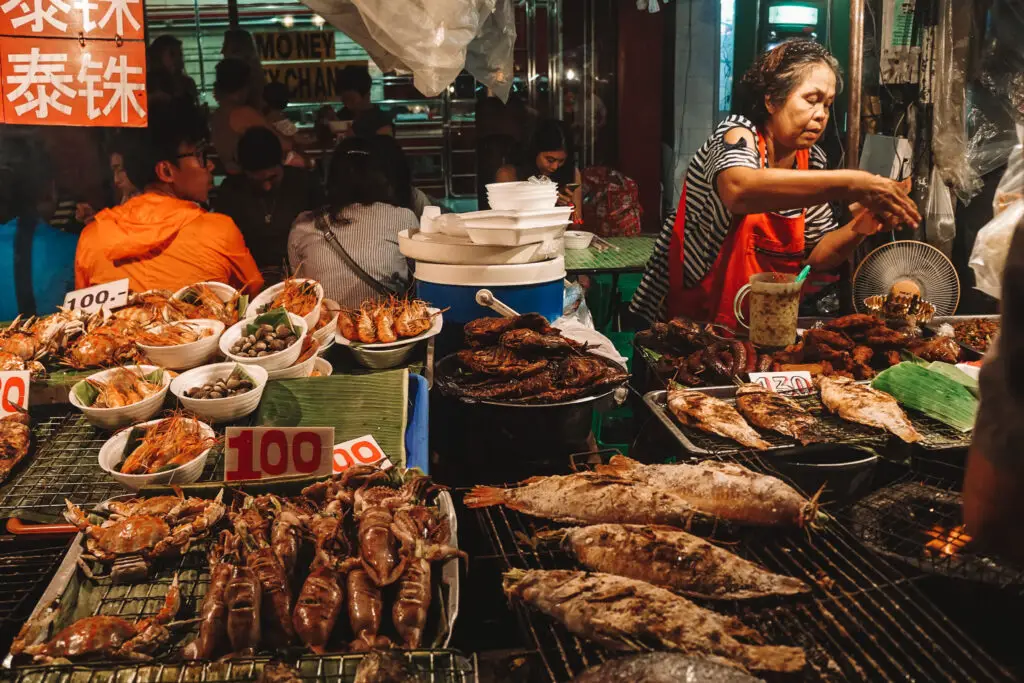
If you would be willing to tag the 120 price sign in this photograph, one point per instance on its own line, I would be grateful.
(796, 382)
(265, 452)
(14, 387)
(109, 295)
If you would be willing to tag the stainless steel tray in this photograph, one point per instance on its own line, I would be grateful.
(937, 436)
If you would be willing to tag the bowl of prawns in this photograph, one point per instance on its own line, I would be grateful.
(383, 334)
(172, 450)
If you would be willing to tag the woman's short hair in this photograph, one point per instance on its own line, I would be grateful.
(776, 73)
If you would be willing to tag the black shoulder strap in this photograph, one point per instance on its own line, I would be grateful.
(23, 234)
(321, 222)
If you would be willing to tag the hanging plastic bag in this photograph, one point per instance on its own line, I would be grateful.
(1011, 186)
(988, 258)
(940, 220)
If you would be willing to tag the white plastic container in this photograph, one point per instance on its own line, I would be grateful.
(225, 292)
(274, 361)
(323, 367)
(113, 418)
(578, 239)
(430, 214)
(219, 409)
(437, 248)
(265, 297)
(493, 276)
(185, 356)
(111, 452)
(522, 203)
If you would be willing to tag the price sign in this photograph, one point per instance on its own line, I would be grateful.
(362, 451)
(798, 382)
(109, 295)
(265, 452)
(14, 392)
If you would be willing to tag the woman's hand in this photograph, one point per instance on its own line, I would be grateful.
(888, 200)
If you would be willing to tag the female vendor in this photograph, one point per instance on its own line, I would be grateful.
(756, 195)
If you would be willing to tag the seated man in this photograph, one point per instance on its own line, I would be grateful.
(266, 198)
(367, 118)
(163, 238)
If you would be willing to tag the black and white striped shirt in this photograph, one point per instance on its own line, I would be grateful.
(708, 221)
(371, 239)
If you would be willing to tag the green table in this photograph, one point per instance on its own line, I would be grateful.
(631, 257)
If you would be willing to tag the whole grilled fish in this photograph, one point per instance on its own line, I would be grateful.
(710, 414)
(587, 498)
(664, 667)
(862, 404)
(770, 410)
(621, 613)
(665, 556)
(724, 490)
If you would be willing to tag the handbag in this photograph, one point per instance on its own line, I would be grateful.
(321, 222)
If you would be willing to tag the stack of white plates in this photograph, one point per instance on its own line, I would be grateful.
(522, 195)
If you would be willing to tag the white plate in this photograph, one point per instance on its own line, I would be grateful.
(435, 328)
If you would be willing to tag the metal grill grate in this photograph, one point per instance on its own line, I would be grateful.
(863, 620)
(437, 666)
(65, 465)
(896, 520)
(24, 573)
(936, 435)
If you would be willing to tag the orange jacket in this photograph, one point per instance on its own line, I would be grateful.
(160, 242)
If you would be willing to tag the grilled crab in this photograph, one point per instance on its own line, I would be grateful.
(25, 342)
(99, 636)
(106, 342)
(146, 537)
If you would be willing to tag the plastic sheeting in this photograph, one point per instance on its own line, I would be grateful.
(988, 258)
(431, 39)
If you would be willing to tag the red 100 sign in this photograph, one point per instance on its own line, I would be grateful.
(265, 452)
(14, 387)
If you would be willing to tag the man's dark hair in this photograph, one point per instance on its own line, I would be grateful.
(169, 128)
(276, 95)
(232, 76)
(259, 149)
(355, 78)
(359, 175)
(160, 45)
(777, 72)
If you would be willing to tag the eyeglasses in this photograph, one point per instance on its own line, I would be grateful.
(201, 154)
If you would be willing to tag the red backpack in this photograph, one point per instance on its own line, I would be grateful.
(611, 203)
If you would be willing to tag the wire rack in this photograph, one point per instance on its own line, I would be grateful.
(834, 430)
(65, 465)
(863, 620)
(899, 521)
(434, 666)
(24, 573)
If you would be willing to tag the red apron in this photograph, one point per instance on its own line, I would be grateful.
(756, 243)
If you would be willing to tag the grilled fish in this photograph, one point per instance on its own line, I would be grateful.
(860, 403)
(770, 410)
(709, 414)
(668, 557)
(15, 437)
(724, 490)
(623, 614)
(664, 667)
(588, 498)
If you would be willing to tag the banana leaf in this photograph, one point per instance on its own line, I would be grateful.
(275, 317)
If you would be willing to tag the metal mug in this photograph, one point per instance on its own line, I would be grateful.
(774, 308)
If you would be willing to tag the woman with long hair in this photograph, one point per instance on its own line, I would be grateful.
(552, 155)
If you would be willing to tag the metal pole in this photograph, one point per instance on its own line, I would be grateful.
(856, 83)
(233, 13)
(199, 47)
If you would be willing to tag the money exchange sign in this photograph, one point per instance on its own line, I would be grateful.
(72, 62)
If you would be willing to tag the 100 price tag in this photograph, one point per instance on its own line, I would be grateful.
(362, 451)
(109, 295)
(797, 382)
(264, 452)
(14, 387)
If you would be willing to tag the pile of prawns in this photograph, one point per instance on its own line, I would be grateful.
(383, 322)
(364, 536)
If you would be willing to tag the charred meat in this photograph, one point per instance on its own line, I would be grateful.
(944, 349)
(487, 331)
(529, 341)
(15, 437)
(500, 362)
(777, 412)
(710, 414)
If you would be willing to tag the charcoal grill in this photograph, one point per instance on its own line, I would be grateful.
(863, 620)
(64, 465)
(24, 573)
(936, 436)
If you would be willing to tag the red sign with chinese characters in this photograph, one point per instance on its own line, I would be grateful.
(87, 19)
(66, 83)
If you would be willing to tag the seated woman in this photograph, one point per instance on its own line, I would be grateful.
(552, 154)
(351, 245)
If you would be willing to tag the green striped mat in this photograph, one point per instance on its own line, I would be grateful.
(355, 405)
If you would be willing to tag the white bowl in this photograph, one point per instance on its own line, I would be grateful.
(303, 369)
(324, 348)
(274, 361)
(185, 356)
(112, 418)
(324, 367)
(326, 333)
(437, 321)
(225, 292)
(379, 359)
(112, 450)
(578, 239)
(219, 409)
(522, 203)
(267, 296)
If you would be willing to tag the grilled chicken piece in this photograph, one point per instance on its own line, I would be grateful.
(862, 354)
(664, 667)
(617, 613)
(487, 331)
(884, 336)
(500, 362)
(709, 414)
(862, 404)
(850, 324)
(526, 340)
(669, 557)
(944, 349)
(769, 410)
(836, 340)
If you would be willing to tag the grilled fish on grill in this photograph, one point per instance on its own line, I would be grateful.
(860, 403)
(724, 490)
(665, 667)
(709, 414)
(770, 410)
(622, 614)
(669, 557)
(15, 437)
(587, 498)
